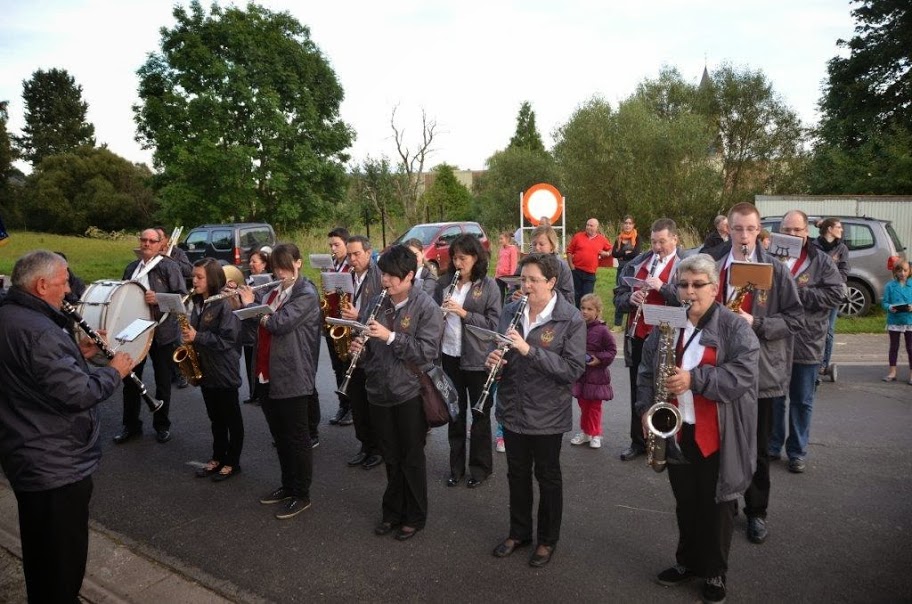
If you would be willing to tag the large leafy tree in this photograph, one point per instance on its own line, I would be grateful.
(447, 198)
(69, 192)
(55, 116)
(7, 156)
(509, 173)
(242, 110)
(373, 193)
(526, 136)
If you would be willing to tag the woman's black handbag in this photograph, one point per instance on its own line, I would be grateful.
(438, 395)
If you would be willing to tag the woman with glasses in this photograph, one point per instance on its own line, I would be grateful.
(626, 248)
(547, 355)
(714, 386)
(544, 241)
(472, 300)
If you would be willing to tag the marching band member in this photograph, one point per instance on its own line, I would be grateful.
(214, 331)
(774, 315)
(259, 265)
(426, 276)
(473, 300)
(534, 402)
(655, 267)
(403, 337)
(287, 350)
(715, 385)
(165, 277)
(543, 240)
(337, 239)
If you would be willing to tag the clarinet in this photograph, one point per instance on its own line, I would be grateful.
(354, 360)
(70, 311)
(480, 405)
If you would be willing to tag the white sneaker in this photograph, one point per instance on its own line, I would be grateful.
(596, 442)
(580, 439)
(501, 448)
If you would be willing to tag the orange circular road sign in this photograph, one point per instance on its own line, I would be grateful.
(542, 200)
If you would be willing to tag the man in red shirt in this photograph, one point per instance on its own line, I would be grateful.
(583, 254)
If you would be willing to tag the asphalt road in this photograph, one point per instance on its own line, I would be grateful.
(838, 533)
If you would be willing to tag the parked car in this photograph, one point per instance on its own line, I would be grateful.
(228, 243)
(874, 247)
(437, 237)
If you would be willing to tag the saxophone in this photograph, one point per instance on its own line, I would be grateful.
(185, 356)
(735, 303)
(341, 334)
(663, 420)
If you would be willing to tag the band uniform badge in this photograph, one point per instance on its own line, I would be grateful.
(803, 280)
(405, 322)
(476, 293)
(762, 296)
(547, 336)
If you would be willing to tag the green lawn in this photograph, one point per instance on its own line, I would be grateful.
(94, 259)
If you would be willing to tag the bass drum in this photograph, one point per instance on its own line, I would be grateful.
(112, 306)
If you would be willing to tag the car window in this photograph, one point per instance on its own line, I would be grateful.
(424, 233)
(450, 233)
(897, 244)
(474, 229)
(222, 239)
(255, 237)
(196, 240)
(857, 236)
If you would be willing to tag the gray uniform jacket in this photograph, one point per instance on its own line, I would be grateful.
(295, 347)
(390, 368)
(483, 307)
(534, 393)
(838, 251)
(820, 290)
(370, 287)
(427, 280)
(731, 383)
(623, 291)
(48, 422)
(183, 262)
(165, 278)
(217, 343)
(778, 315)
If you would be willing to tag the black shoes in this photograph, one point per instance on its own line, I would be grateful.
(796, 466)
(508, 546)
(385, 528)
(225, 473)
(714, 590)
(278, 496)
(292, 508)
(676, 575)
(539, 560)
(163, 436)
(756, 530)
(372, 461)
(631, 453)
(125, 434)
(404, 533)
(252, 401)
(209, 469)
(474, 483)
(342, 418)
(182, 382)
(453, 481)
(358, 459)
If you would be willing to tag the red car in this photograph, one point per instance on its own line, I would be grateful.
(437, 236)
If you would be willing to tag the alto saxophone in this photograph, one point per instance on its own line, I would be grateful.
(186, 358)
(663, 420)
(341, 334)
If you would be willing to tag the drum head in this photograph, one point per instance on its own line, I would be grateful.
(112, 306)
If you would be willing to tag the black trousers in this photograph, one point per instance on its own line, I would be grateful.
(313, 410)
(756, 498)
(526, 452)
(227, 424)
(469, 384)
(401, 431)
(288, 423)
(54, 528)
(704, 526)
(132, 401)
(636, 422)
(361, 413)
(339, 368)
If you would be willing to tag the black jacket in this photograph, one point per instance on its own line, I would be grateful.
(165, 278)
(217, 343)
(48, 422)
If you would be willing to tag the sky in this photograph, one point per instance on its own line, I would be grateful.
(469, 65)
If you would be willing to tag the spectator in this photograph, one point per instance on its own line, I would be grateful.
(583, 254)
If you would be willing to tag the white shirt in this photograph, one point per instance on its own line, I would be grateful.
(358, 281)
(144, 280)
(732, 292)
(543, 317)
(660, 265)
(452, 326)
(692, 357)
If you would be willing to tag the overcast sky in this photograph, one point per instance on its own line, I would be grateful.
(469, 64)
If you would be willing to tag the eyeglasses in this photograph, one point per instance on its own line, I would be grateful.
(694, 285)
(750, 229)
(793, 231)
(532, 280)
(146, 240)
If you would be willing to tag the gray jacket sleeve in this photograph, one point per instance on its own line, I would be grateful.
(825, 292)
(788, 314)
(65, 378)
(730, 380)
(490, 301)
(303, 308)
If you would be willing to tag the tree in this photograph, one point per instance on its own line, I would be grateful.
(69, 192)
(373, 189)
(242, 109)
(526, 136)
(509, 173)
(7, 157)
(447, 198)
(55, 116)
(411, 166)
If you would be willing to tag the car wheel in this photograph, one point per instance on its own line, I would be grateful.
(858, 300)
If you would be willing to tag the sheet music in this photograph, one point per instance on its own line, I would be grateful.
(134, 330)
(486, 335)
(324, 262)
(262, 279)
(168, 303)
(333, 281)
(656, 314)
(252, 311)
(634, 283)
(511, 280)
(355, 326)
(785, 246)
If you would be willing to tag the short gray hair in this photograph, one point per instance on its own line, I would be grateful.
(35, 265)
(700, 264)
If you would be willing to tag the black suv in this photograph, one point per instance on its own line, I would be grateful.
(230, 243)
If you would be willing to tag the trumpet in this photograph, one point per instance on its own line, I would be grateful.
(448, 292)
(343, 388)
(486, 391)
(237, 292)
